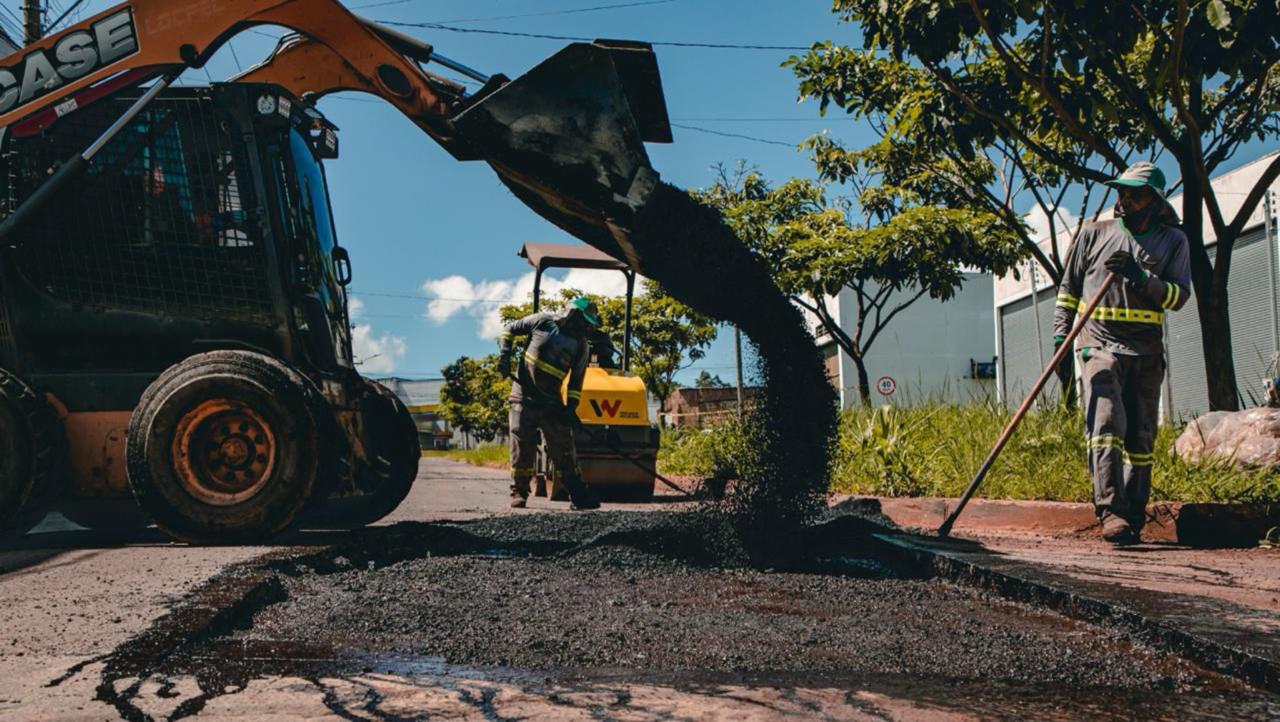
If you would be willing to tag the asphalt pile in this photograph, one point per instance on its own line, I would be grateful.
(672, 592)
(686, 247)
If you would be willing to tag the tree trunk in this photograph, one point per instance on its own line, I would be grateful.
(864, 381)
(1210, 285)
(1219, 363)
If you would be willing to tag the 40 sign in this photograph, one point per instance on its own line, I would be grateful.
(886, 385)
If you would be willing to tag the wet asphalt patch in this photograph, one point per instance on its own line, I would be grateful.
(553, 603)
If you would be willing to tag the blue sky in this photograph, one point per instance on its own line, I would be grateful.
(420, 224)
(433, 241)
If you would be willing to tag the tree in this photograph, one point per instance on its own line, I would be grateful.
(706, 381)
(666, 335)
(888, 258)
(473, 398)
(1080, 89)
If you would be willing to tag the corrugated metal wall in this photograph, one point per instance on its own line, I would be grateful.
(1252, 337)
(1020, 364)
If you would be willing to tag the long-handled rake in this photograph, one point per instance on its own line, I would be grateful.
(1007, 434)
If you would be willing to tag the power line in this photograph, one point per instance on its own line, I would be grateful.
(569, 11)
(734, 135)
(65, 13)
(581, 39)
(718, 119)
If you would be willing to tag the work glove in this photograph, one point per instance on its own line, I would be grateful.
(1065, 370)
(569, 415)
(504, 367)
(1122, 263)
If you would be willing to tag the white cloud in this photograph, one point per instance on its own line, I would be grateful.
(1038, 220)
(481, 300)
(355, 307)
(375, 354)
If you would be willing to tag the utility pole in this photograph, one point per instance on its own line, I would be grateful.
(32, 15)
(737, 352)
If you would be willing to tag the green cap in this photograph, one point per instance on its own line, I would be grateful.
(588, 309)
(1139, 175)
(1144, 174)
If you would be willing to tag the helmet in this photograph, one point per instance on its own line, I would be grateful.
(587, 308)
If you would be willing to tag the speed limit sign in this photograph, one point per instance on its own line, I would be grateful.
(886, 385)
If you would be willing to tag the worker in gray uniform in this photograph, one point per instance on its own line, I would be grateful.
(558, 347)
(1121, 347)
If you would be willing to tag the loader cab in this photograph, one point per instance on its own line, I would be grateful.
(204, 224)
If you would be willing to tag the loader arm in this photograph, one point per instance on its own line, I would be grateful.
(567, 137)
(164, 36)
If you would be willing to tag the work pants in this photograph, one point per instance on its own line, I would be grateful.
(524, 423)
(1122, 404)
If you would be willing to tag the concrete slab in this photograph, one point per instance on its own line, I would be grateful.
(1198, 525)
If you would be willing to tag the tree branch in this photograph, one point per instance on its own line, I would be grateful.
(1059, 107)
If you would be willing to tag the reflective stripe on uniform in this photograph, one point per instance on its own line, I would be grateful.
(518, 473)
(544, 366)
(1106, 441)
(574, 394)
(1171, 294)
(1068, 301)
(1132, 315)
(1138, 459)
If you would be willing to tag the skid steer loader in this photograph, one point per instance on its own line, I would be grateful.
(173, 324)
(614, 408)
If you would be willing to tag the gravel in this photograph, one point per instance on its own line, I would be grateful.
(672, 592)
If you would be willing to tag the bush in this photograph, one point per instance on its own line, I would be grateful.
(492, 455)
(934, 450)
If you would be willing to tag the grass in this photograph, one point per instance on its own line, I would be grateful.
(491, 455)
(934, 449)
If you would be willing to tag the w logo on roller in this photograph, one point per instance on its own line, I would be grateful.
(606, 408)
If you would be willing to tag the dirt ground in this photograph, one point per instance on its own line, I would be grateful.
(534, 615)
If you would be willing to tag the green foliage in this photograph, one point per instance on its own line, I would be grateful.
(815, 249)
(493, 456)
(978, 103)
(473, 398)
(706, 381)
(934, 450)
(666, 335)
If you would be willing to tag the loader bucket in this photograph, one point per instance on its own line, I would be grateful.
(568, 136)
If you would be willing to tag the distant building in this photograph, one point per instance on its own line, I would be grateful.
(422, 396)
(700, 408)
(931, 351)
(1024, 320)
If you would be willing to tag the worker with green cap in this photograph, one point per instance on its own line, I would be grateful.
(558, 347)
(1121, 347)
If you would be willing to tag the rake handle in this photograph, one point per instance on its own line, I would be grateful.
(1013, 424)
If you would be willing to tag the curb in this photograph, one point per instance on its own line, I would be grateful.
(1254, 669)
(1190, 524)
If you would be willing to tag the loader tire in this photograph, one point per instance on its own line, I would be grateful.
(224, 447)
(391, 441)
(34, 466)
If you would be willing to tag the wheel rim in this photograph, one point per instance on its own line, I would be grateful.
(224, 452)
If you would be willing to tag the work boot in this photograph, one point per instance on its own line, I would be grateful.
(1117, 530)
(519, 495)
(581, 498)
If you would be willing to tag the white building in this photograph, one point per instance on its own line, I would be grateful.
(422, 397)
(932, 350)
(1024, 333)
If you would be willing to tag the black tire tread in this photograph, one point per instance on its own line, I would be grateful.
(50, 469)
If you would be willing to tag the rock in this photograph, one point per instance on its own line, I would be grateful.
(1249, 438)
